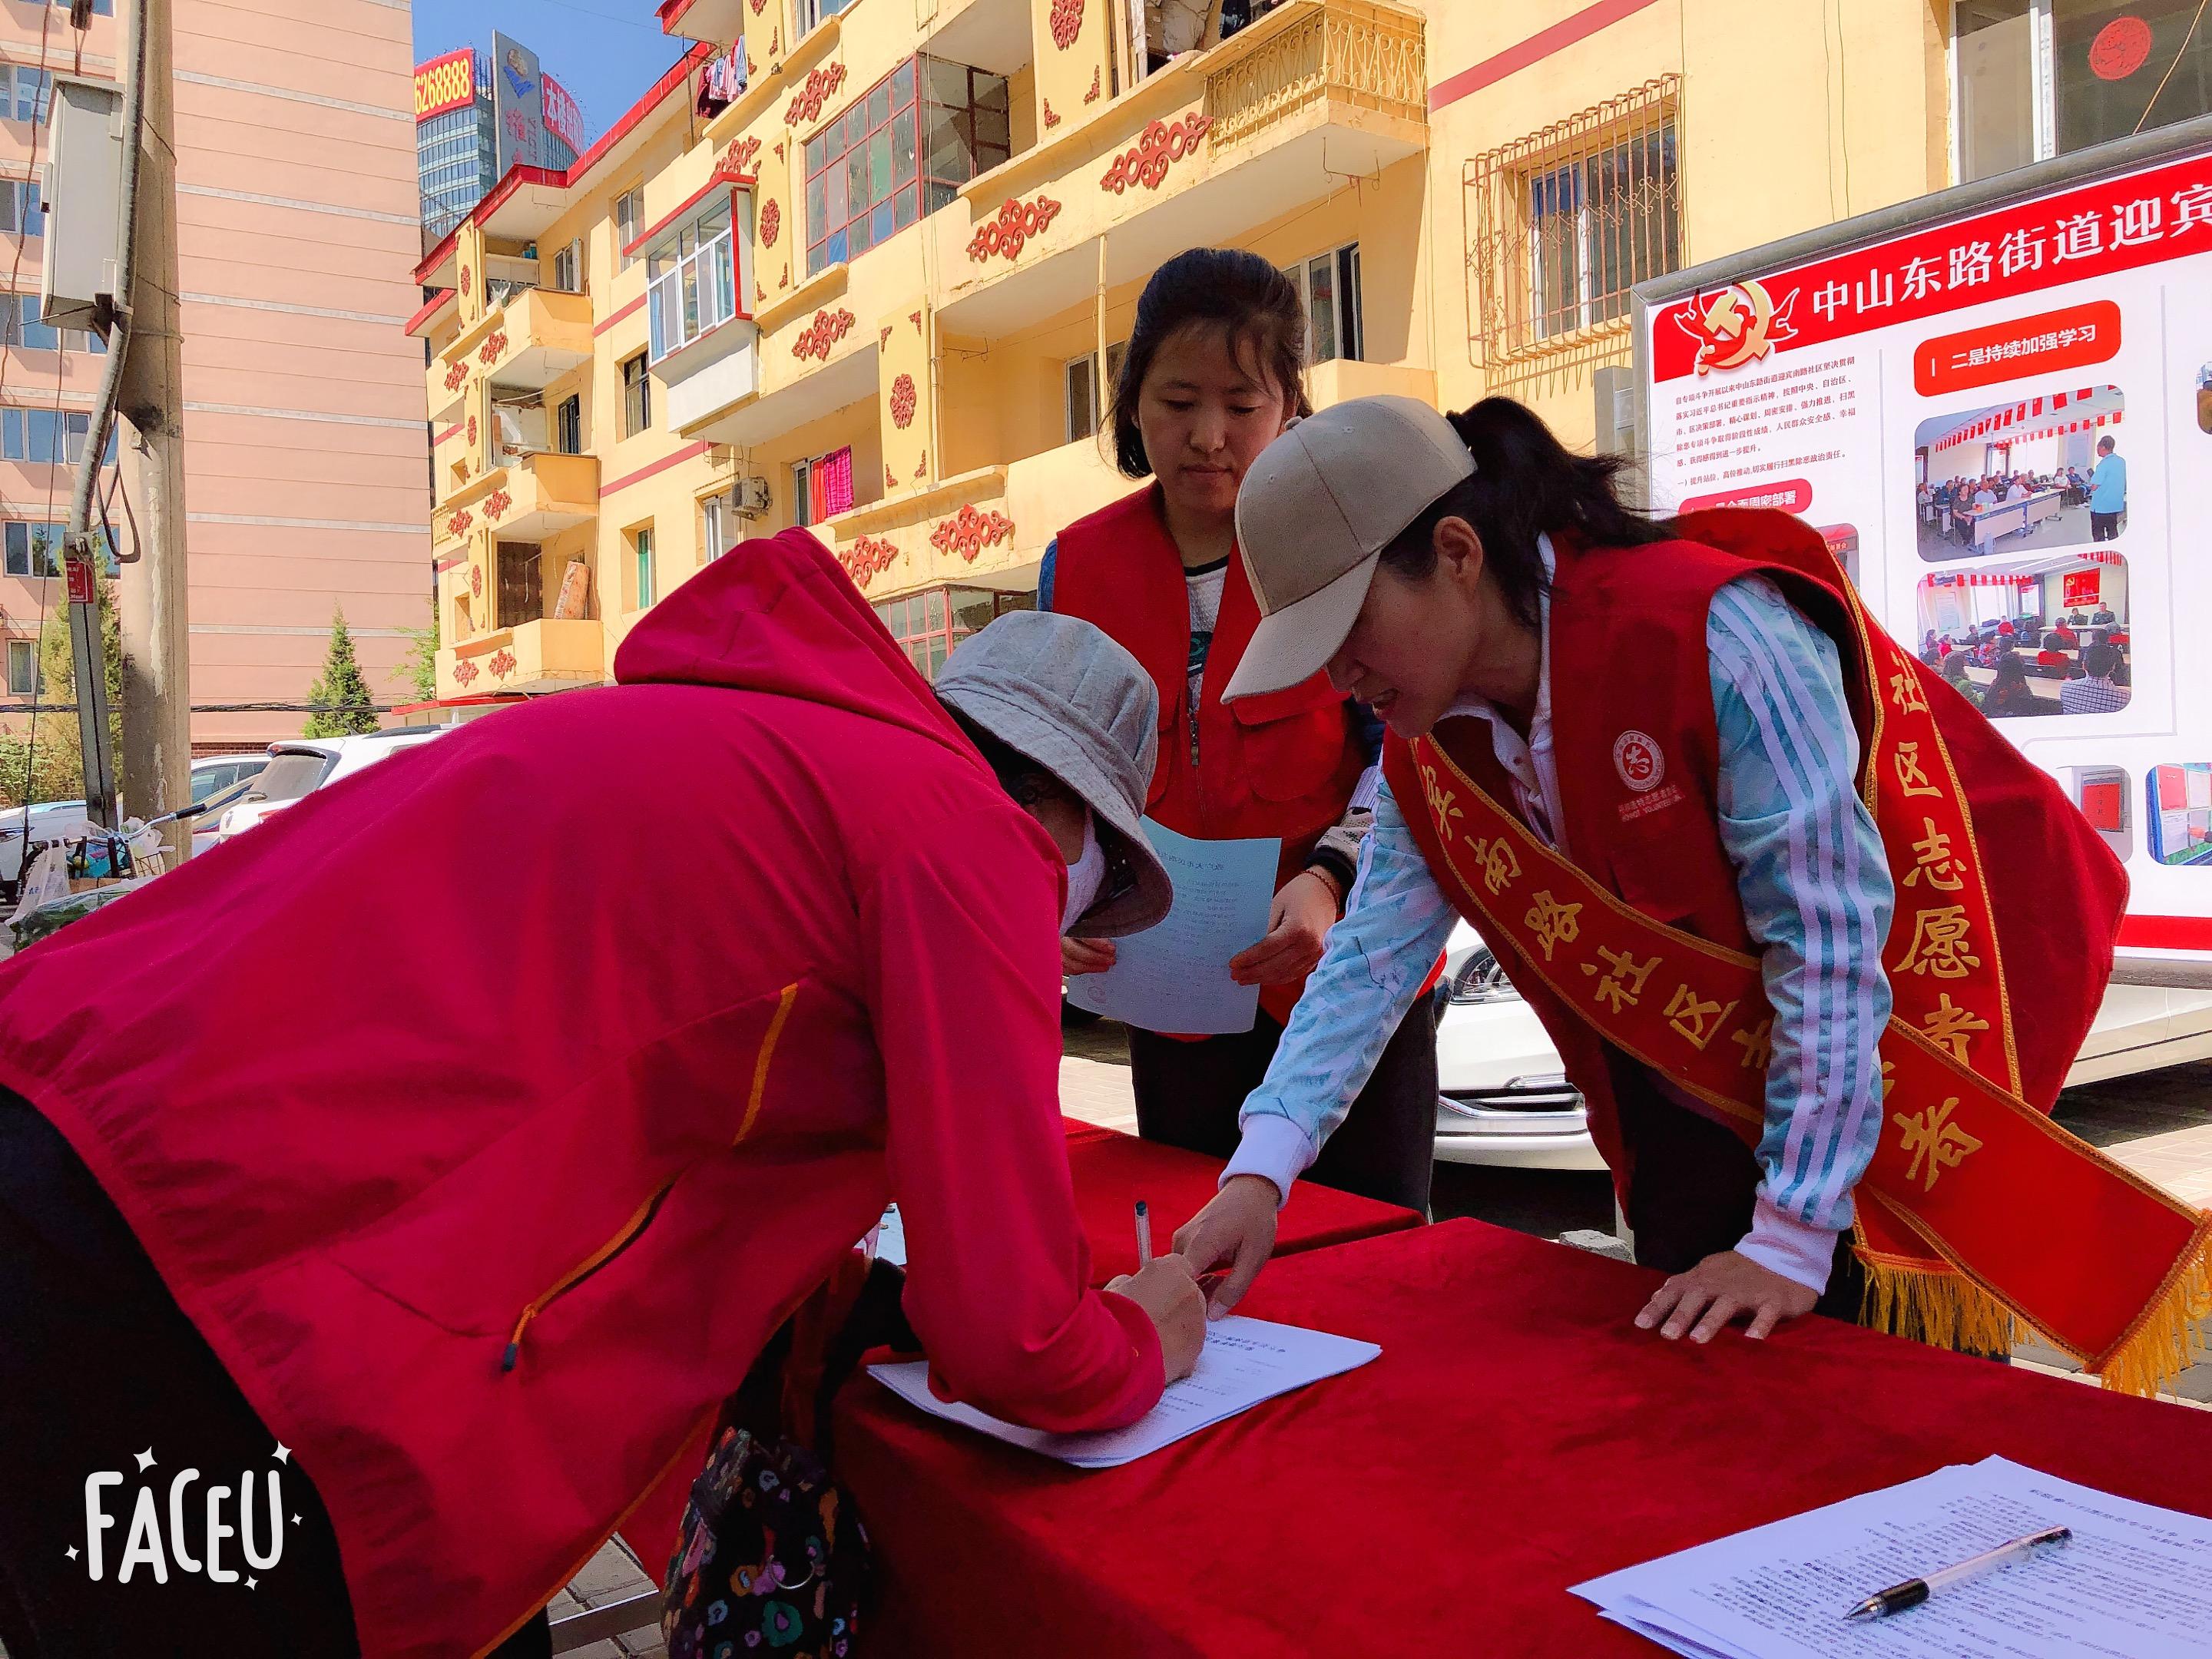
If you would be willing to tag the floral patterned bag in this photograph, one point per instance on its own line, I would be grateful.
(770, 1559)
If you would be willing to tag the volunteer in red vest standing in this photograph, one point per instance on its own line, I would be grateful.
(1815, 943)
(1213, 372)
(438, 1162)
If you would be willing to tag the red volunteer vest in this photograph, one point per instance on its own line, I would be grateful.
(1630, 670)
(1283, 764)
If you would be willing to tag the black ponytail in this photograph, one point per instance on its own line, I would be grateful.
(1526, 484)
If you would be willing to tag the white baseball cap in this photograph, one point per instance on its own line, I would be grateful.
(1314, 514)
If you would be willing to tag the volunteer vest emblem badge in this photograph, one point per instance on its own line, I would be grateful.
(1636, 756)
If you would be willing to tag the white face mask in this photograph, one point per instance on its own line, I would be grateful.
(1084, 877)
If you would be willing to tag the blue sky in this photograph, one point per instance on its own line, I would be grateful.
(606, 52)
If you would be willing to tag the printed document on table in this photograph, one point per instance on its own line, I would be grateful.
(1244, 1362)
(2135, 1582)
(1174, 977)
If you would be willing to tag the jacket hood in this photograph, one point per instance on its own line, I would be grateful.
(778, 615)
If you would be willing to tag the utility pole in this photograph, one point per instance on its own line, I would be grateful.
(156, 694)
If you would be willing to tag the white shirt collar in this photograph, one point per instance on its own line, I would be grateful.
(1530, 762)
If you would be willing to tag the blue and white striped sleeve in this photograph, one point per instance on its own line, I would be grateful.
(1817, 897)
(1377, 958)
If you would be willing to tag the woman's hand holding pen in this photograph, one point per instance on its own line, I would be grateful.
(1165, 1288)
(1298, 926)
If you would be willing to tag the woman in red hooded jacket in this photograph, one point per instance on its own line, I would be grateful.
(1212, 373)
(429, 1164)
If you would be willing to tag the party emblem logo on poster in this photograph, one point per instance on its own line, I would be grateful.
(1739, 324)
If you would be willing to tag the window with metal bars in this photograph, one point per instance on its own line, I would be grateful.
(1567, 221)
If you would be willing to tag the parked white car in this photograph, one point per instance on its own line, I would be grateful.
(1503, 1098)
(298, 765)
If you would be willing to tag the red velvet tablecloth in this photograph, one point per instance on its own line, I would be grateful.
(1112, 1170)
(1517, 1436)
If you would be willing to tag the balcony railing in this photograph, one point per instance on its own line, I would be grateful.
(1345, 51)
(546, 655)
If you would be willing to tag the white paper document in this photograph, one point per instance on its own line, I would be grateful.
(890, 1238)
(1174, 977)
(2135, 1582)
(1244, 1362)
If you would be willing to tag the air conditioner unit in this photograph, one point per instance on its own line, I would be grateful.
(752, 497)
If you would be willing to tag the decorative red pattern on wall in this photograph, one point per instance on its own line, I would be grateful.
(476, 579)
(457, 526)
(1017, 222)
(1067, 23)
(739, 158)
(464, 671)
(820, 83)
(502, 664)
(968, 532)
(903, 402)
(472, 432)
(771, 223)
(825, 330)
(464, 279)
(495, 506)
(1051, 120)
(1091, 96)
(495, 343)
(921, 466)
(869, 557)
(456, 375)
(1161, 145)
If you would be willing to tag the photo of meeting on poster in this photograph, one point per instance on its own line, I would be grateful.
(2045, 636)
(2039, 472)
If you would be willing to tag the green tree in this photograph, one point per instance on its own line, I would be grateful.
(42, 759)
(344, 707)
(420, 665)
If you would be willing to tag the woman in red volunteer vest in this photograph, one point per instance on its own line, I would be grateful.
(1600, 723)
(1211, 375)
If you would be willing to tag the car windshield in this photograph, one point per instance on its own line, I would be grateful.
(290, 775)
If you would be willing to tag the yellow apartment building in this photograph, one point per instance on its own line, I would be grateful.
(866, 267)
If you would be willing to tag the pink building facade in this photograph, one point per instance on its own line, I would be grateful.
(306, 455)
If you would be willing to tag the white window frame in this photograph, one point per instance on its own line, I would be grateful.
(1094, 398)
(25, 217)
(22, 651)
(1345, 319)
(644, 567)
(42, 94)
(718, 523)
(630, 219)
(811, 13)
(568, 268)
(704, 284)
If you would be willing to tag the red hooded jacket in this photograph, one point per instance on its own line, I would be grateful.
(487, 1111)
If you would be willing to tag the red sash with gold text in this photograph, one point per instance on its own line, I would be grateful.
(1956, 1211)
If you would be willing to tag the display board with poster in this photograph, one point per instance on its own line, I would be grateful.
(1994, 390)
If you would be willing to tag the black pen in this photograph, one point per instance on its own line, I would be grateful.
(1913, 1591)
